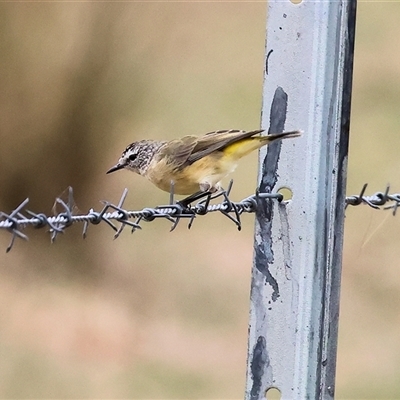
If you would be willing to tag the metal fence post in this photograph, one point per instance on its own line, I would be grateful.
(298, 243)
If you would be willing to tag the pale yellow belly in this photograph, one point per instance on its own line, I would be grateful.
(210, 169)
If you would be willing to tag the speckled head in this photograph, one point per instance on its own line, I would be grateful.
(137, 156)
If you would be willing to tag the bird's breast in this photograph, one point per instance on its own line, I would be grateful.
(210, 169)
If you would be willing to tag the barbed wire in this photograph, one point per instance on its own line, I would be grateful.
(174, 212)
(16, 221)
(377, 201)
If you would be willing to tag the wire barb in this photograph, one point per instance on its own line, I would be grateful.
(17, 220)
(377, 201)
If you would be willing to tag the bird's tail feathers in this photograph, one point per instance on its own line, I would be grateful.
(284, 135)
(245, 146)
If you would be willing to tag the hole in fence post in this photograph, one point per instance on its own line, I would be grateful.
(273, 394)
(286, 193)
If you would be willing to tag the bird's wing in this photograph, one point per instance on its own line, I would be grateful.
(189, 149)
(178, 151)
(217, 140)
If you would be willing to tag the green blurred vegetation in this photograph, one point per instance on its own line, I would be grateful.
(159, 315)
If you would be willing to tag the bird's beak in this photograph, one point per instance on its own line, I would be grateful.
(115, 168)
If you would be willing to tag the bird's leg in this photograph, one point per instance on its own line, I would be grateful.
(218, 191)
(206, 189)
(193, 197)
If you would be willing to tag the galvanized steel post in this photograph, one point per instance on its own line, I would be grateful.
(298, 243)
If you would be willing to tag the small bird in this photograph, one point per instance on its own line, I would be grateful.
(193, 164)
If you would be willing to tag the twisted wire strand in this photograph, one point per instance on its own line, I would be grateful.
(16, 221)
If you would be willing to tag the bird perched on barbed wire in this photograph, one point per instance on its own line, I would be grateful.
(193, 164)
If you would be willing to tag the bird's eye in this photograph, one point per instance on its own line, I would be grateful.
(132, 157)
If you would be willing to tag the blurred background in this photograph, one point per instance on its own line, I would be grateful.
(160, 315)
